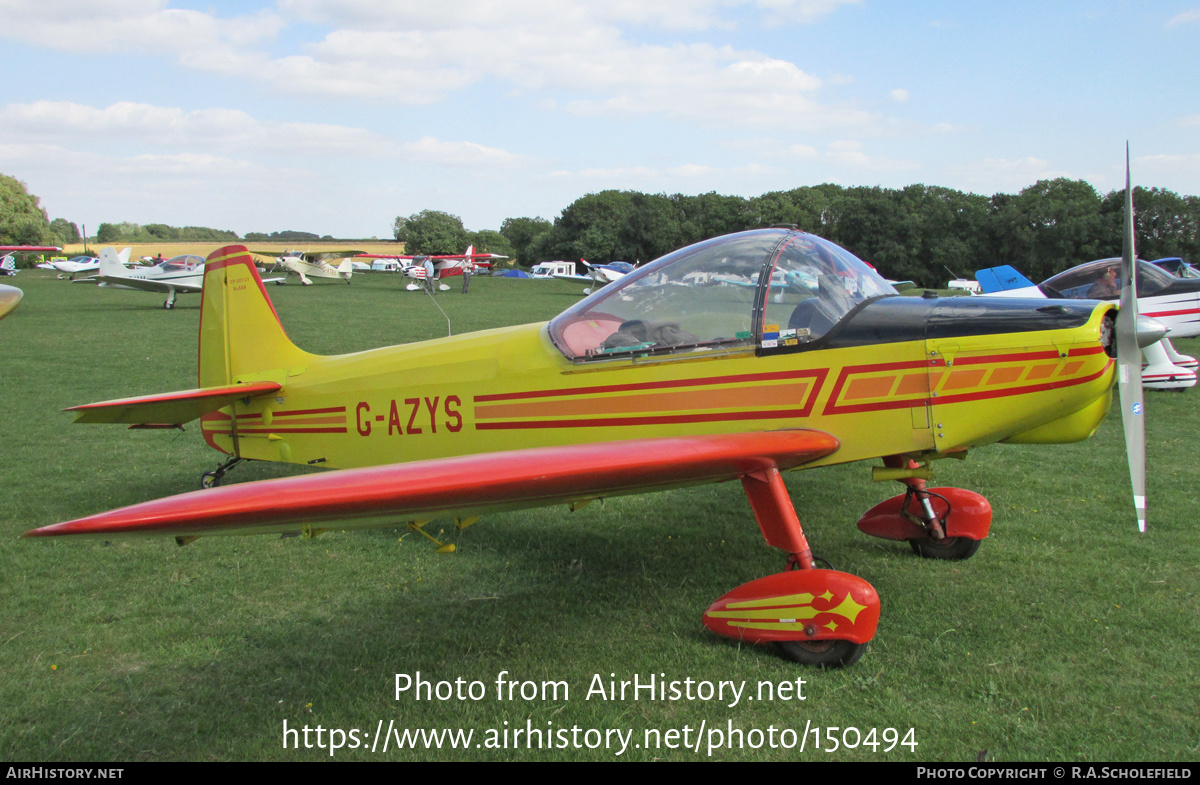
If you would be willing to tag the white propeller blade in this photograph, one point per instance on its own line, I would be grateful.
(1129, 362)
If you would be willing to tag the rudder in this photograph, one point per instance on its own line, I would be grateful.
(241, 337)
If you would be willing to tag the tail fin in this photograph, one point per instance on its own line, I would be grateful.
(241, 337)
(110, 262)
(1001, 279)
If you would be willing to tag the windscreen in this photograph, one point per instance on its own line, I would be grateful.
(710, 296)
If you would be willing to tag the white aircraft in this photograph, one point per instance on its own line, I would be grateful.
(1171, 300)
(75, 265)
(599, 275)
(315, 264)
(179, 274)
(8, 265)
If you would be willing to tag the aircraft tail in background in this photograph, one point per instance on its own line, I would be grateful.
(1002, 279)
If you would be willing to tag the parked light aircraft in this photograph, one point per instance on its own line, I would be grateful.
(650, 383)
(75, 265)
(310, 265)
(444, 265)
(599, 275)
(8, 262)
(180, 274)
(1171, 300)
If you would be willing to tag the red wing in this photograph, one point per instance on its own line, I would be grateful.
(173, 408)
(464, 486)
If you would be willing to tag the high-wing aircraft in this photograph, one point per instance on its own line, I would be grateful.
(444, 265)
(10, 296)
(654, 382)
(35, 249)
(179, 274)
(313, 264)
(1172, 300)
(8, 262)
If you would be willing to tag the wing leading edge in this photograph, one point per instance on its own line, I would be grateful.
(459, 487)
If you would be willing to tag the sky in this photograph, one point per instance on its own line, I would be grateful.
(337, 116)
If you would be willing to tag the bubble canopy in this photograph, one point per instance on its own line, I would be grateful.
(768, 288)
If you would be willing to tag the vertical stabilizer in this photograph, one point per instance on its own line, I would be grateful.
(241, 337)
(110, 262)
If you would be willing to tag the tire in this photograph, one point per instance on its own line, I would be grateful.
(948, 549)
(822, 654)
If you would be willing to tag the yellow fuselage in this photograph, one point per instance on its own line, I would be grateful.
(512, 388)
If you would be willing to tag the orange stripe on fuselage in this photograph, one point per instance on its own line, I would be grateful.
(817, 374)
(914, 389)
(724, 398)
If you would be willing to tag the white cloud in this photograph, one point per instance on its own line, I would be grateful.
(1175, 172)
(1004, 174)
(422, 51)
(1192, 15)
(435, 151)
(661, 14)
(899, 95)
(140, 26)
(659, 178)
(848, 154)
(207, 129)
(799, 11)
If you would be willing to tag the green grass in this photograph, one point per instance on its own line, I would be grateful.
(1068, 637)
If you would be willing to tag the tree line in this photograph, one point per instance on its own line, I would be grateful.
(917, 233)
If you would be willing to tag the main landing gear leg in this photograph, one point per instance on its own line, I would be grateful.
(213, 479)
(938, 523)
(815, 616)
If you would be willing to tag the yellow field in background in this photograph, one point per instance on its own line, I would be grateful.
(204, 249)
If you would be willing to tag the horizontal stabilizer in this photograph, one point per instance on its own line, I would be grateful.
(461, 487)
(173, 408)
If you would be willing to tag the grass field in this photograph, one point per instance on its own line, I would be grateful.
(1068, 637)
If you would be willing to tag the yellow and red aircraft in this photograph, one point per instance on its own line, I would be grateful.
(664, 379)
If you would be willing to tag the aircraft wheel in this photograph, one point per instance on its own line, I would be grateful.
(209, 480)
(822, 654)
(280, 283)
(948, 549)
(168, 305)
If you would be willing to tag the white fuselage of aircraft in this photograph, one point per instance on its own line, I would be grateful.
(179, 274)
